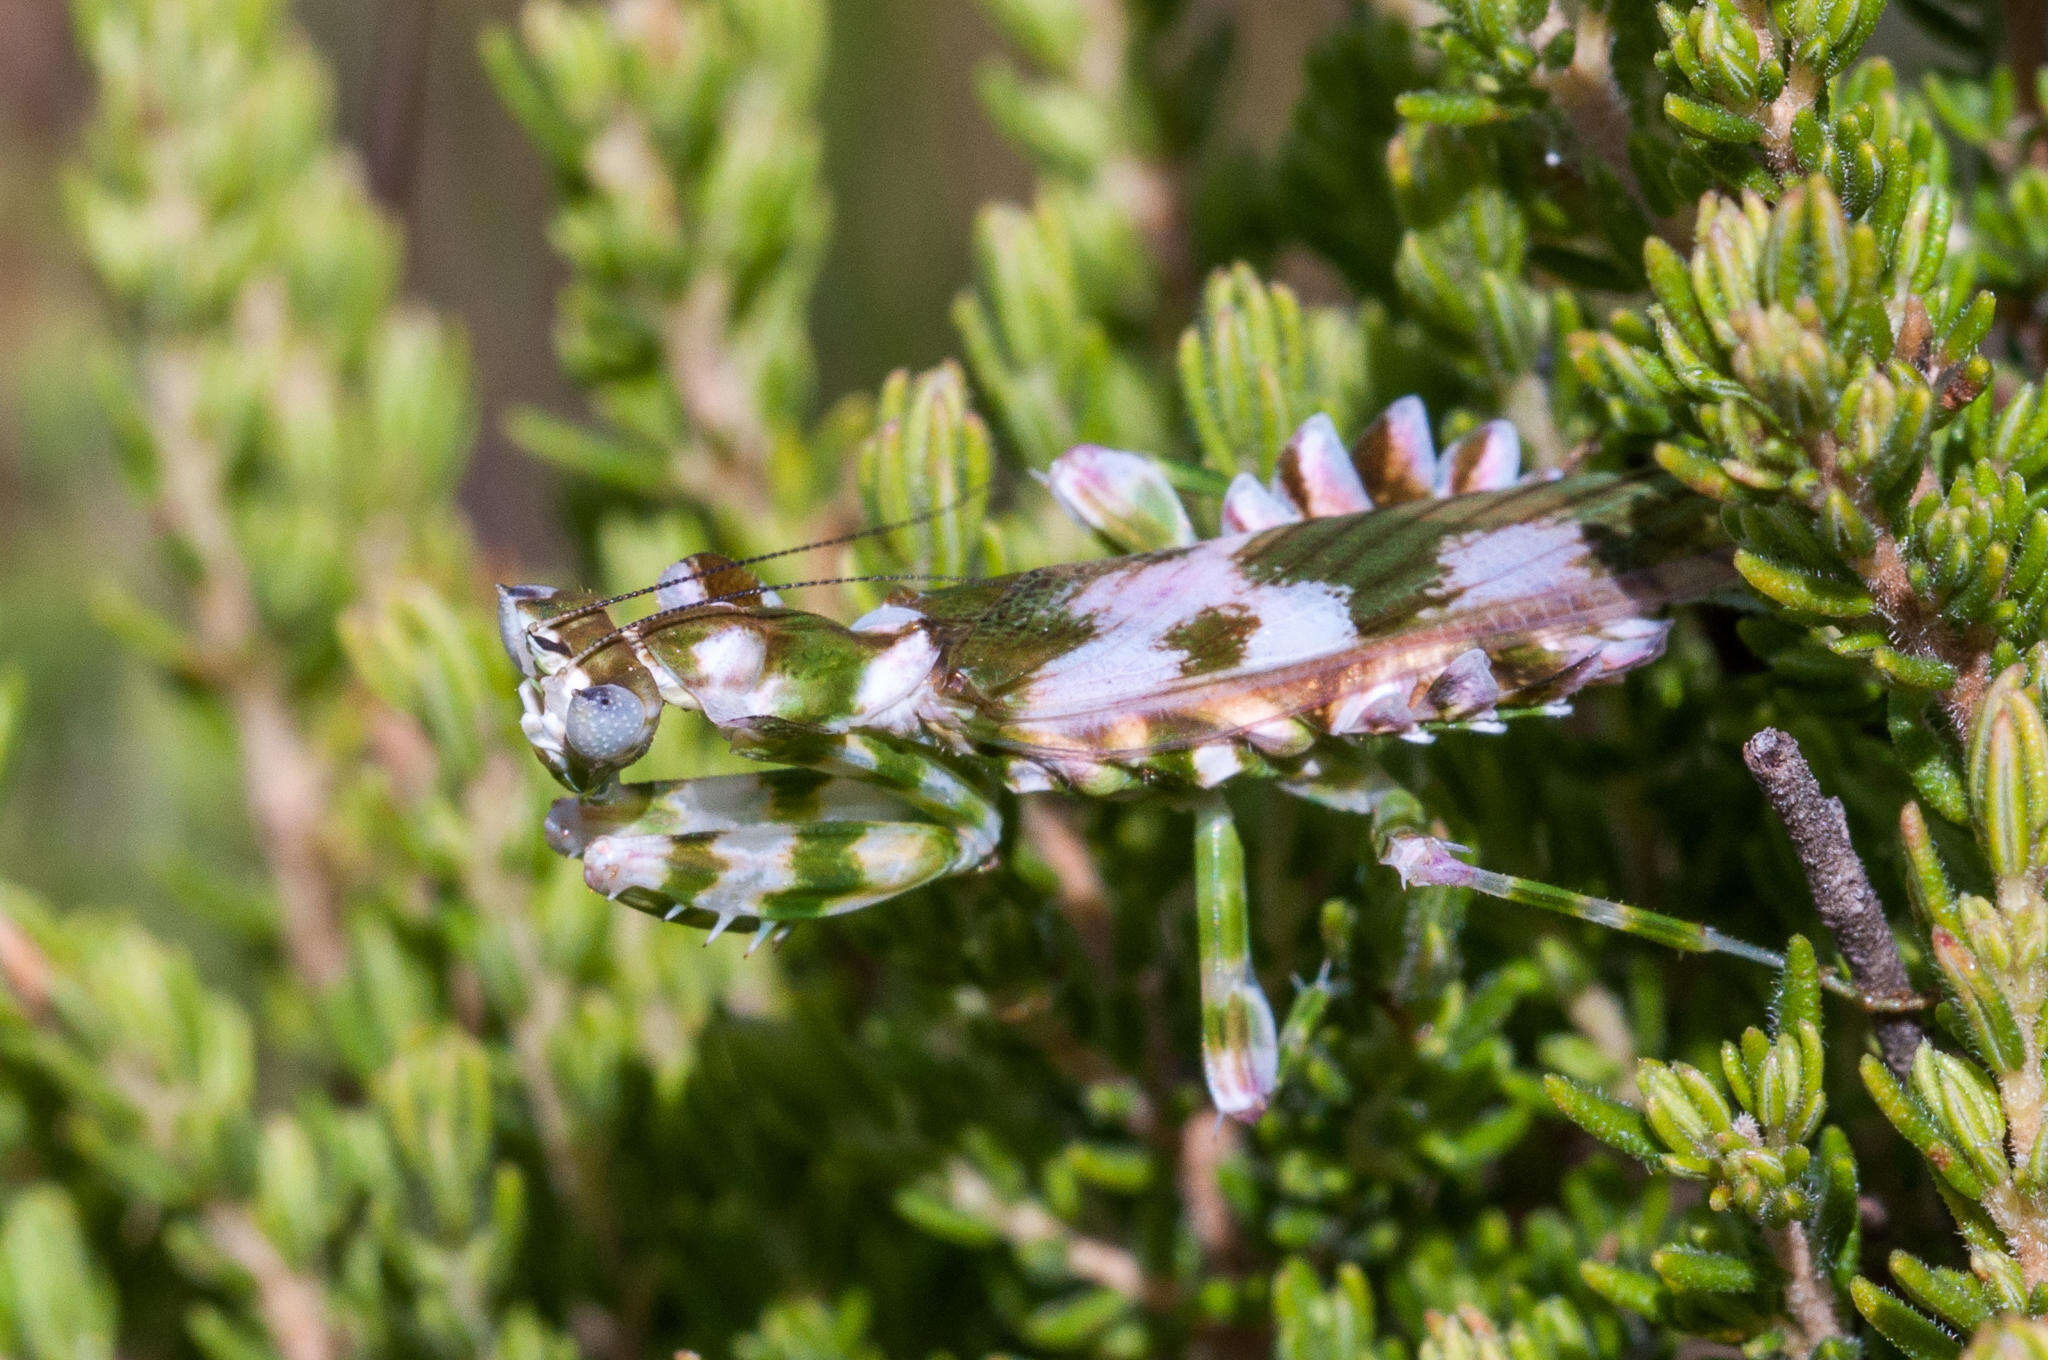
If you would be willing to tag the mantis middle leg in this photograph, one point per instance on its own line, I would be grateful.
(1240, 1043)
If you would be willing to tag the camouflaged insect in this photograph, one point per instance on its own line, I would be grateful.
(1379, 590)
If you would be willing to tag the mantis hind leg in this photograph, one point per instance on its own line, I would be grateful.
(862, 819)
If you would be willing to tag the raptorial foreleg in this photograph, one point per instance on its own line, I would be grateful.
(865, 819)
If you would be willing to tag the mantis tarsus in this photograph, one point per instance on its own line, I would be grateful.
(1365, 592)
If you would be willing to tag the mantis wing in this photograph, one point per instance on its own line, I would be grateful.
(1350, 619)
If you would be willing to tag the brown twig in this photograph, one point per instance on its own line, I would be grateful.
(1918, 629)
(1912, 623)
(285, 782)
(1150, 188)
(1848, 905)
(1082, 896)
(405, 31)
(1026, 1223)
(491, 809)
(1801, 89)
(1205, 1141)
(292, 1307)
(1809, 1298)
(1586, 95)
(2026, 45)
(25, 970)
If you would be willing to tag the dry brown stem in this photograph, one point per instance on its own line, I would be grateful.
(492, 806)
(1809, 1298)
(1082, 896)
(1026, 1223)
(292, 1307)
(285, 782)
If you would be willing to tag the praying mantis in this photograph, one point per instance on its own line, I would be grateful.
(1367, 591)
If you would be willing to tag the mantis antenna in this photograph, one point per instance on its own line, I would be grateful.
(655, 622)
(855, 536)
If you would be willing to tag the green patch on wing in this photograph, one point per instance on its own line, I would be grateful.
(1214, 640)
(1002, 631)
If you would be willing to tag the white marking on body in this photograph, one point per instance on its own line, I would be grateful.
(612, 864)
(1632, 642)
(545, 724)
(898, 856)
(666, 682)
(892, 682)
(1125, 497)
(1136, 609)
(1027, 776)
(681, 584)
(1215, 763)
(885, 618)
(1280, 737)
(1509, 563)
(1487, 459)
(1401, 436)
(1085, 775)
(1467, 686)
(728, 662)
(730, 801)
(711, 805)
(542, 729)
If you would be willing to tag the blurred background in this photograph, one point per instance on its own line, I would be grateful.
(909, 156)
(125, 786)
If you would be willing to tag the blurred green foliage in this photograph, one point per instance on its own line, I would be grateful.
(360, 1067)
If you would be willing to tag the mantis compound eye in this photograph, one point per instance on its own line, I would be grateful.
(514, 617)
(607, 725)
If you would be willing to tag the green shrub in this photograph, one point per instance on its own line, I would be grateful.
(379, 1074)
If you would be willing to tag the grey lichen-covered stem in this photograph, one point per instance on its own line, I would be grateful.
(1819, 830)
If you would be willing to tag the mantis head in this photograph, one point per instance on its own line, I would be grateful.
(719, 641)
(589, 710)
